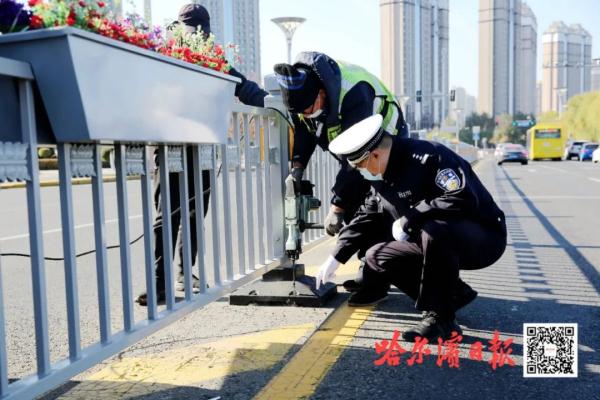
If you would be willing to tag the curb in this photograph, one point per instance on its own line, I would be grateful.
(56, 182)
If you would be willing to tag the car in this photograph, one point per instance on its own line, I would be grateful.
(511, 153)
(596, 155)
(499, 148)
(573, 150)
(586, 151)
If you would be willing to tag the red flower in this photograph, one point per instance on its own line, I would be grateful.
(36, 22)
(70, 21)
(33, 3)
(101, 4)
(82, 3)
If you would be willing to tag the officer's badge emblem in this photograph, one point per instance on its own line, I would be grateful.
(447, 180)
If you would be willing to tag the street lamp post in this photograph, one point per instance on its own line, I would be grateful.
(562, 96)
(458, 112)
(289, 25)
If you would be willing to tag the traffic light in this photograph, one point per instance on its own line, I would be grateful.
(419, 96)
(452, 95)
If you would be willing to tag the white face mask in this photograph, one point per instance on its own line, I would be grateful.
(368, 175)
(316, 114)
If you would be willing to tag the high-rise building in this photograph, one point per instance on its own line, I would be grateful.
(596, 74)
(507, 57)
(463, 105)
(414, 57)
(538, 101)
(245, 31)
(566, 64)
(526, 98)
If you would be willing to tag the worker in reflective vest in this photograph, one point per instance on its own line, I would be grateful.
(324, 98)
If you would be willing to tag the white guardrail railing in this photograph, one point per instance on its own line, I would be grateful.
(242, 237)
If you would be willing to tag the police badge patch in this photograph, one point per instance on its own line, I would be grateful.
(447, 180)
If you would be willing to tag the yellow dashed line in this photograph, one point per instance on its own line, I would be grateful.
(301, 376)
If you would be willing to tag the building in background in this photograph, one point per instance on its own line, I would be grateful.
(414, 57)
(507, 57)
(596, 74)
(566, 64)
(526, 92)
(538, 101)
(244, 32)
(463, 105)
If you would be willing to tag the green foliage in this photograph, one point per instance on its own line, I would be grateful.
(582, 117)
(45, 152)
(483, 121)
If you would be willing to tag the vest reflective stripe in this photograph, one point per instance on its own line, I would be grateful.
(353, 74)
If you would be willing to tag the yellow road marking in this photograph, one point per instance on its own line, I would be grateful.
(190, 365)
(300, 377)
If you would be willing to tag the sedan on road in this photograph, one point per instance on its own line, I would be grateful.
(511, 153)
(573, 150)
(586, 151)
(596, 155)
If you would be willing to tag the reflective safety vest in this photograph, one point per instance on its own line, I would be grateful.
(385, 103)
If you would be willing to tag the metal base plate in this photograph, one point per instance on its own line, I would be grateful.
(304, 294)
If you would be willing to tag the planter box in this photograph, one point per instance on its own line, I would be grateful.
(98, 89)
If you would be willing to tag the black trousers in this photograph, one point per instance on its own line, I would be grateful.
(427, 267)
(177, 228)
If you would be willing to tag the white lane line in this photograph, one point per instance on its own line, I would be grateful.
(532, 170)
(50, 231)
(594, 179)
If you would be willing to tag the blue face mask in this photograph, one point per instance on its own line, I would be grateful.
(368, 175)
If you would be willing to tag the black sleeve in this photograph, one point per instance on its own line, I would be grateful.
(453, 192)
(349, 189)
(248, 91)
(366, 229)
(305, 142)
(357, 104)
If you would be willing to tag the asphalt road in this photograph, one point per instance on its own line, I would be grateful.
(549, 273)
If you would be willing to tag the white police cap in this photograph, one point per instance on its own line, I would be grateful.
(356, 142)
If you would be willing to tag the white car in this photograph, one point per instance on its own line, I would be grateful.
(596, 155)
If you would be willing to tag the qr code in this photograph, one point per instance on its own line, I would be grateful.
(550, 350)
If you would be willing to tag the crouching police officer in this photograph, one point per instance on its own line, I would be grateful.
(324, 98)
(444, 218)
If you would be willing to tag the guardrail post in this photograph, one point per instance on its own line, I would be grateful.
(34, 207)
(277, 139)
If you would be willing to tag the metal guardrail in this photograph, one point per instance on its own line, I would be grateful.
(465, 150)
(246, 234)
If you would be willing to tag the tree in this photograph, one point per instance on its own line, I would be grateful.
(483, 121)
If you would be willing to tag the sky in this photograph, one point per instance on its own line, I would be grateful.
(349, 30)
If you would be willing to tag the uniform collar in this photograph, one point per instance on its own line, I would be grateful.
(397, 159)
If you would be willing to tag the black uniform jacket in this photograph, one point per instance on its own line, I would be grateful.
(350, 188)
(423, 181)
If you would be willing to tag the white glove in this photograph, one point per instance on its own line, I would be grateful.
(397, 231)
(327, 271)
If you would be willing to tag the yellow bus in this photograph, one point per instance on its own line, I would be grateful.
(546, 141)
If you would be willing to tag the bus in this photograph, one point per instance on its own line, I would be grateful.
(546, 141)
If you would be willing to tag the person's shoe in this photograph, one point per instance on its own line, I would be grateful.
(180, 286)
(432, 327)
(352, 286)
(161, 296)
(365, 298)
(464, 295)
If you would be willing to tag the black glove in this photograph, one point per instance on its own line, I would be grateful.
(334, 222)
